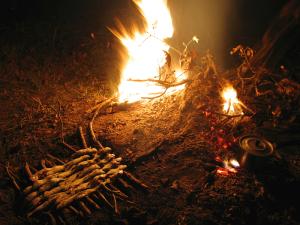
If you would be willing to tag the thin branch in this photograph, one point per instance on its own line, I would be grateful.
(62, 139)
(162, 83)
(55, 158)
(115, 204)
(136, 180)
(12, 177)
(157, 96)
(227, 115)
(100, 106)
(29, 173)
(82, 137)
(175, 49)
(95, 140)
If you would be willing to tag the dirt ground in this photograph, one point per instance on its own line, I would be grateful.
(170, 143)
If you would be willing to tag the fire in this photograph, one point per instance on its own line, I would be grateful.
(234, 163)
(229, 167)
(232, 105)
(147, 54)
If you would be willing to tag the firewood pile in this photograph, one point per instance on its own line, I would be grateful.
(91, 179)
(88, 171)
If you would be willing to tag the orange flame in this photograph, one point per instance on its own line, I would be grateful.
(229, 167)
(232, 105)
(147, 52)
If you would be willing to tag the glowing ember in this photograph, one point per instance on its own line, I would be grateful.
(147, 54)
(232, 105)
(229, 167)
(222, 171)
(234, 163)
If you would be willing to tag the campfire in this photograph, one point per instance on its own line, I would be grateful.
(147, 71)
(232, 106)
(178, 142)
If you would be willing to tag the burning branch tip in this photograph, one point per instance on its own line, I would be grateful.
(196, 39)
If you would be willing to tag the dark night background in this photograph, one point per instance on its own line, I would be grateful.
(220, 25)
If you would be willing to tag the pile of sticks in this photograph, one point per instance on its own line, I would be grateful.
(92, 178)
(88, 171)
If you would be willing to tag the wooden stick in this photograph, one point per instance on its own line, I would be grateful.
(95, 140)
(12, 177)
(61, 123)
(115, 190)
(92, 202)
(101, 196)
(55, 158)
(157, 96)
(124, 183)
(135, 180)
(50, 163)
(82, 137)
(69, 146)
(115, 204)
(61, 220)
(72, 208)
(162, 83)
(43, 163)
(62, 129)
(85, 208)
(52, 218)
(226, 115)
(29, 173)
(99, 105)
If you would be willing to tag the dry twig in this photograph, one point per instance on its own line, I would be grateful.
(12, 176)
